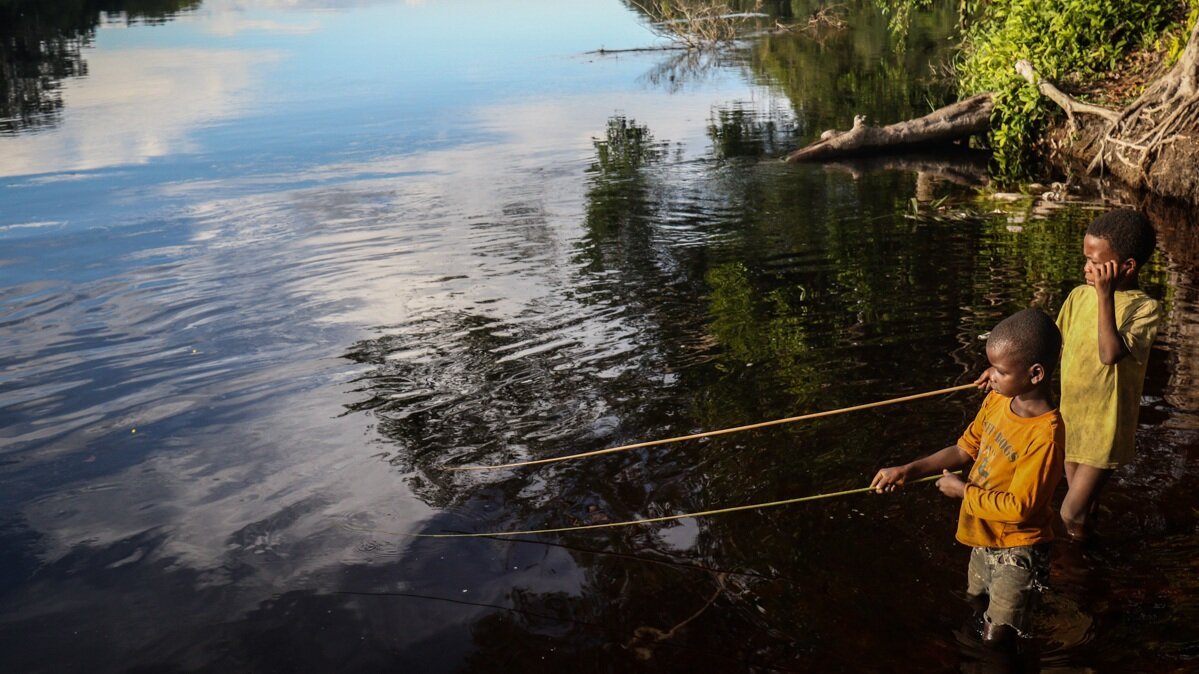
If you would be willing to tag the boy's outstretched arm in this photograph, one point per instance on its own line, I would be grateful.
(950, 458)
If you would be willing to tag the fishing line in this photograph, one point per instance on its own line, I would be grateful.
(723, 431)
(690, 649)
(641, 558)
(629, 523)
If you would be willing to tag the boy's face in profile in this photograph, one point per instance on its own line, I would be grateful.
(1010, 376)
(1098, 252)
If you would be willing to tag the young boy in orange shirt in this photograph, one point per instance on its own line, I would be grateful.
(1017, 446)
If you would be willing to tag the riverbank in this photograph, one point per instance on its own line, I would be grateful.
(1160, 161)
(1131, 113)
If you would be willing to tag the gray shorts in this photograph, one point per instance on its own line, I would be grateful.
(1012, 578)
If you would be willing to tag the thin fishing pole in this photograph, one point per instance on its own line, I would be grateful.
(723, 431)
(629, 523)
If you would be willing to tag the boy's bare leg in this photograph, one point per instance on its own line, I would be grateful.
(1082, 499)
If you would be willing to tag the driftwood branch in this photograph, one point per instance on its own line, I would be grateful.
(1070, 105)
(944, 125)
(669, 47)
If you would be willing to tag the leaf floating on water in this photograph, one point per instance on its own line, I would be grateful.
(597, 516)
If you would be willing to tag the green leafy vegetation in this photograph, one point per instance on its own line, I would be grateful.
(1070, 42)
(1174, 41)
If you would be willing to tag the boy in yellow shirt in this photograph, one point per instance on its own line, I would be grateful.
(1107, 327)
(1016, 444)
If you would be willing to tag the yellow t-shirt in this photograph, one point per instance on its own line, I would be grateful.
(1100, 403)
(1018, 462)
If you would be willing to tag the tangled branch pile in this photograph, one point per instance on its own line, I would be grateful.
(1167, 112)
(697, 24)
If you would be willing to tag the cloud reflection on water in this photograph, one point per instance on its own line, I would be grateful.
(235, 489)
(267, 480)
(138, 105)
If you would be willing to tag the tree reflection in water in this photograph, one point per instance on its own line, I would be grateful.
(702, 297)
(42, 43)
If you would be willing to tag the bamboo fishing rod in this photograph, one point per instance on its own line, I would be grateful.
(648, 520)
(708, 434)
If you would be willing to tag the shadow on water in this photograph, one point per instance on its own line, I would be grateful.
(738, 304)
(262, 524)
(963, 166)
(832, 75)
(42, 43)
(864, 71)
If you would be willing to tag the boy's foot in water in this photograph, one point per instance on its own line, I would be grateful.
(998, 636)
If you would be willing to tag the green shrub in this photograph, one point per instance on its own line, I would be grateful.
(1067, 41)
(1175, 41)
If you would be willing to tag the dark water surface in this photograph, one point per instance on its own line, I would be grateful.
(266, 266)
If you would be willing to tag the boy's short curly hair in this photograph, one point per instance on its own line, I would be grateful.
(1128, 232)
(1029, 335)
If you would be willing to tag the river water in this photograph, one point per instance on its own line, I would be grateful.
(266, 267)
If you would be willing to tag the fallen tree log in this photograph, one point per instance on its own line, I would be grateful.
(942, 126)
(1153, 144)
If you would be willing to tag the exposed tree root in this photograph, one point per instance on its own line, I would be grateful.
(1167, 112)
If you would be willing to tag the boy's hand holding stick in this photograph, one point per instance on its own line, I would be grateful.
(888, 479)
(951, 484)
(891, 478)
(984, 380)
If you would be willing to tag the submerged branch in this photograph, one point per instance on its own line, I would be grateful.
(960, 166)
(668, 47)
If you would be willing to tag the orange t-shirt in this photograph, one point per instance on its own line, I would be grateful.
(1018, 462)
